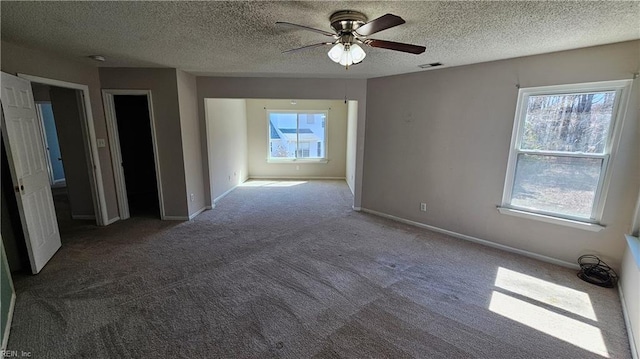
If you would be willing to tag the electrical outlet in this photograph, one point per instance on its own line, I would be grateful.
(193, 197)
(297, 168)
(423, 207)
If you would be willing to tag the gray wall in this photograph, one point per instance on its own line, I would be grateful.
(258, 135)
(16, 59)
(442, 137)
(191, 146)
(40, 92)
(227, 144)
(288, 88)
(66, 112)
(166, 110)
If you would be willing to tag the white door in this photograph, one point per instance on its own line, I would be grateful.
(21, 133)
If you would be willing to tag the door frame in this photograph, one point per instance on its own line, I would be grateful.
(90, 144)
(116, 154)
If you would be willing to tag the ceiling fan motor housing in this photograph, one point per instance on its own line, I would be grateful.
(352, 28)
(345, 22)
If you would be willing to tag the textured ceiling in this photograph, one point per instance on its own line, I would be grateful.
(240, 38)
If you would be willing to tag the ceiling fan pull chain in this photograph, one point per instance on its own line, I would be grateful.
(345, 90)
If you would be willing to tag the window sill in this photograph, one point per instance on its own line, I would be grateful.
(298, 160)
(593, 227)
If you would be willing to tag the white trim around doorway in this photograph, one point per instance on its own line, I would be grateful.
(116, 155)
(89, 139)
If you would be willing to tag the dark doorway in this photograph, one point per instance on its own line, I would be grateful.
(15, 245)
(136, 148)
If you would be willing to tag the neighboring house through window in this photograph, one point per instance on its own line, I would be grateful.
(293, 135)
(563, 140)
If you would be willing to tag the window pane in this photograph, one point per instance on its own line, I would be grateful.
(568, 122)
(311, 135)
(282, 135)
(562, 185)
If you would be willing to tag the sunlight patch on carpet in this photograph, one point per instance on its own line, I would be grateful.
(556, 323)
(559, 296)
(258, 183)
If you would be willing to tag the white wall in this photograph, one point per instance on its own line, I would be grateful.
(630, 279)
(443, 136)
(258, 135)
(290, 88)
(226, 130)
(630, 288)
(191, 147)
(352, 138)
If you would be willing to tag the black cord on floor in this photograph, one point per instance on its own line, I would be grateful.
(595, 271)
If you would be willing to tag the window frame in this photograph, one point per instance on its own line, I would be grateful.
(324, 159)
(622, 89)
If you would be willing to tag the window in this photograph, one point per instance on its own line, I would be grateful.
(561, 147)
(293, 135)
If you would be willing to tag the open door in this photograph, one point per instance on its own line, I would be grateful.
(21, 134)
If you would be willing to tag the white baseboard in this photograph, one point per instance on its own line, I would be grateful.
(83, 216)
(627, 323)
(295, 178)
(357, 209)
(192, 216)
(477, 240)
(217, 199)
(175, 218)
(7, 327)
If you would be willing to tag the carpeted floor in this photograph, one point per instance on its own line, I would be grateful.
(287, 269)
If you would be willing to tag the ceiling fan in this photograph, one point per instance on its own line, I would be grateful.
(351, 30)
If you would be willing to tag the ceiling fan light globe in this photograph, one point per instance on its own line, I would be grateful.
(336, 52)
(357, 53)
(346, 59)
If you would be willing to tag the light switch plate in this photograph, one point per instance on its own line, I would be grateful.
(100, 142)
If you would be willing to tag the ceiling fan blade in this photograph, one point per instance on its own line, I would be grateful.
(397, 46)
(382, 23)
(308, 47)
(302, 27)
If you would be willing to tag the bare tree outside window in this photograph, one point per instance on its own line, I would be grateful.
(568, 123)
(562, 143)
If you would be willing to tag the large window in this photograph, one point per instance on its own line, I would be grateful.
(563, 141)
(297, 135)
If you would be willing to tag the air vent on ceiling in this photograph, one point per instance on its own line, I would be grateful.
(428, 66)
